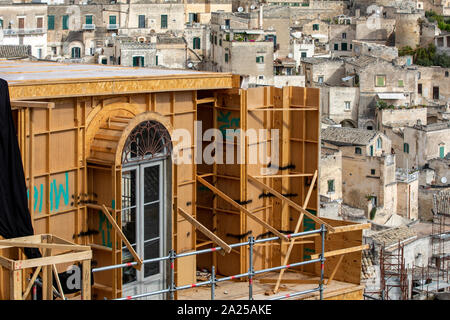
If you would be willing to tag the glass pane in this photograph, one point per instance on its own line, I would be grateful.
(151, 250)
(151, 221)
(128, 189)
(129, 224)
(151, 184)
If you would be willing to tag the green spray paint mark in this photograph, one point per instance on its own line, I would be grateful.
(54, 195)
(105, 230)
(228, 123)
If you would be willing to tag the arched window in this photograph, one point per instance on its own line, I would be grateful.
(406, 148)
(149, 140)
(76, 52)
(196, 43)
(379, 143)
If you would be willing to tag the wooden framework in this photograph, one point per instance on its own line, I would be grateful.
(56, 251)
(72, 134)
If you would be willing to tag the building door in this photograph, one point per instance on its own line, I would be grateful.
(441, 152)
(143, 212)
(21, 23)
(435, 93)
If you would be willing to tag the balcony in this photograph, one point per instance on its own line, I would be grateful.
(89, 26)
(113, 26)
(14, 32)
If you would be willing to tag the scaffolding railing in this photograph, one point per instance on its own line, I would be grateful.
(172, 256)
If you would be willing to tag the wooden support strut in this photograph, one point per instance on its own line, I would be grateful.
(119, 231)
(206, 232)
(341, 251)
(297, 228)
(291, 203)
(242, 208)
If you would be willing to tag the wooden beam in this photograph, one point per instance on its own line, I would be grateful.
(341, 251)
(296, 281)
(297, 228)
(86, 280)
(67, 257)
(58, 283)
(30, 284)
(242, 208)
(7, 263)
(15, 285)
(336, 267)
(290, 202)
(294, 175)
(73, 247)
(119, 231)
(205, 231)
(353, 227)
(17, 104)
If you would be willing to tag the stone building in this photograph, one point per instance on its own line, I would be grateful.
(442, 43)
(25, 24)
(373, 49)
(407, 193)
(368, 168)
(330, 177)
(323, 70)
(340, 104)
(341, 37)
(425, 142)
(433, 85)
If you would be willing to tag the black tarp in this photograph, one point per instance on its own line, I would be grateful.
(15, 219)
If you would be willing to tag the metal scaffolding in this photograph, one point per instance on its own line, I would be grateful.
(393, 273)
(172, 256)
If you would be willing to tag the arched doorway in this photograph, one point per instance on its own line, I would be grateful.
(146, 214)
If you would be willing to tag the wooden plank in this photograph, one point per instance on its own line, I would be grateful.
(121, 235)
(86, 280)
(341, 251)
(237, 205)
(30, 284)
(74, 247)
(290, 202)
(18, 104)
(352, 227)
(285, 175)
(58, 283)
(15, 285)
(335, 269)
(67, 257)
(297, 228)
(296, 281)
(205, 231)
(7, 263)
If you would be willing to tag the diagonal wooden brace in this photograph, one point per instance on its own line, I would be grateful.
(206, 232)
(242, 208)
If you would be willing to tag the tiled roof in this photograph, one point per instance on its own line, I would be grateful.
(393, 235)
(14, 51)
(347, 136)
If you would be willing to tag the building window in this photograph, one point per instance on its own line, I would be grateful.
(104, 61)
(196, 43)
(227, 23)
(336, 47)
(372, 171)
(316, 26)
(419, 88)
(446, 74)
(54, 50)
(379, 143)
(215, 40)
(39, 22)
(261, 77)
(226, 57)
(406, 148)
(164, 21)
(344, 36)
(138, 61)
(442, 152)
(40, 53)
(76, 52)
(51, 22)
(347, 105)
(193, 17)
(260, 59)
(371, 151)
(358, 150)
(112, 19)
(1, 23)
(141, 21)
(380, 81)
(220, 42)
(401, 83)
(21, 23)
(303, 54)
(330, 186)
(320, 79)
(89, 19)
(65, 22)
(344, 46)
(156, 60)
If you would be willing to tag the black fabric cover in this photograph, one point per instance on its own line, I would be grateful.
(15, 219)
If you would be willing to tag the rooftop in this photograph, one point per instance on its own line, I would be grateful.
(393, 235)
(37, 79)
(342, 136)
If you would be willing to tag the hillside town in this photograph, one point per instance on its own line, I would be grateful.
(382, 68)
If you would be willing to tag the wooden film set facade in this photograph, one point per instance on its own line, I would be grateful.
(95, 182)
